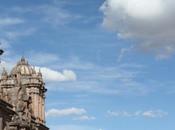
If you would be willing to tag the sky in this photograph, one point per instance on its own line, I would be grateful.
(107, 64)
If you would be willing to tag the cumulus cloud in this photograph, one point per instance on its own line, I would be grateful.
(149, 24)
(146, 114)
(75, 113)
(53, 75)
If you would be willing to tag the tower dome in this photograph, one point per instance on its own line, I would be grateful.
(22, 68)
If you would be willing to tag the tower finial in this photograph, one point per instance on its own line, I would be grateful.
(39, 73)
(22, 58)
(23, 61)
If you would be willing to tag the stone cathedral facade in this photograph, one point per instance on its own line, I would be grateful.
(22, 98)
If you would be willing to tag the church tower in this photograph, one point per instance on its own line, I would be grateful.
(34, 85)
(24, 89)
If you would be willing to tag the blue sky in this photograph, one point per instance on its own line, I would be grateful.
(108, 65)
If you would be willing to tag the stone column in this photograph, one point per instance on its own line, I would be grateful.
(42, 116)
(44, 109)
(39, 108)
(36, 102)
(1, 123)
(33, 107)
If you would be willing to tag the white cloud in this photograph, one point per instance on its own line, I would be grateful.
(146, 114)
(134, 8)
(154, 114)
(119, 113)
(84, 117)
(65, 112)
(52, 75)
(79, 114)
(149, 24)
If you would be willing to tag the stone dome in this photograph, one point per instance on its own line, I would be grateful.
(23, 68)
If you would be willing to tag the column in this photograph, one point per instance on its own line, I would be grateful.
(37, 104)
(44, 109)
(32, 104)
(1, 123)
(32, 95)
(39, 107)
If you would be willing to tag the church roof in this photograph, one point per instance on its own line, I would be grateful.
(23, 68)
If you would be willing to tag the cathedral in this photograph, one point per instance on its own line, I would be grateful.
(22, 98)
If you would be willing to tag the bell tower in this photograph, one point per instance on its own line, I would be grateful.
(34, 85)
(22, 98)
